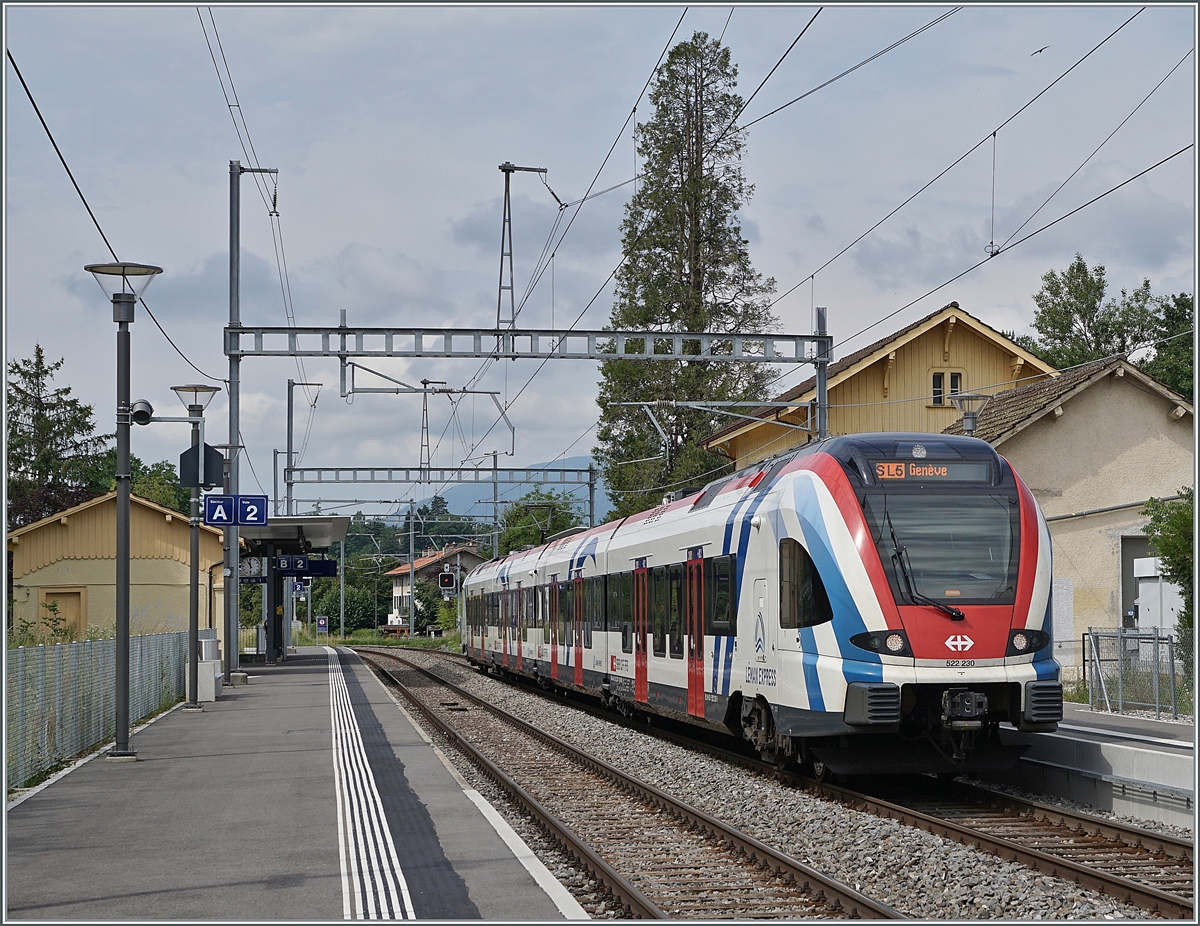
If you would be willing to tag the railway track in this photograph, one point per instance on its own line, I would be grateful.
(658, 857)
(1145, 869)
(1149, 870)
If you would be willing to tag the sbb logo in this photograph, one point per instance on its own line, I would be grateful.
(960, 642)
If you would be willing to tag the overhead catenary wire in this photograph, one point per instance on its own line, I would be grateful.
(1019, 241)
(1107, 138)
(83, 199)
(725, 131)
(958, 160)
(268, 196)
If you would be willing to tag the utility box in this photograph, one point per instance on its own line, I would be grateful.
(1159, 601)
(209, 679)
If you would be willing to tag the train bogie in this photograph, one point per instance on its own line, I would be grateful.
(870, 603)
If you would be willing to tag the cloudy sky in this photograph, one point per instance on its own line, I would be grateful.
(387, 125)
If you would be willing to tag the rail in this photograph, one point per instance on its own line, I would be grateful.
(841, 896)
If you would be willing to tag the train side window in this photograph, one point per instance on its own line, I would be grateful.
(720, 596)
(675, 612)
(803, 601)
(659, 596)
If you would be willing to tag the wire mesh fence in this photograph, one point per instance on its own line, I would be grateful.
(1138, 670)
(62, 698)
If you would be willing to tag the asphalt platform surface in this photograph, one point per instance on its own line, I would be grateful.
(230, 814)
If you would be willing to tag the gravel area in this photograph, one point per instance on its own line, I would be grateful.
(917, 873)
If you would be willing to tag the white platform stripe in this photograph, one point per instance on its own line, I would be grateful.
(373, 885)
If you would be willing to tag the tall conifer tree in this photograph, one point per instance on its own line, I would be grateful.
(686, 268)
(52, 446)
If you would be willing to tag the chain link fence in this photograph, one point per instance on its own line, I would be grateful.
(62, 698)
(1138, 670)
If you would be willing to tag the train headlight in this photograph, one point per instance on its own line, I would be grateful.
(891, 642)
(1023, 642)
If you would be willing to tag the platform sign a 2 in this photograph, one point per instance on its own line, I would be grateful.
(235, 510)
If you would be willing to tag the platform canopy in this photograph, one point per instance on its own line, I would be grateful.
(299, 534)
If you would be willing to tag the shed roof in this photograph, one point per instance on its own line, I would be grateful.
(88, 532)
(432, 559)
(1010, 412)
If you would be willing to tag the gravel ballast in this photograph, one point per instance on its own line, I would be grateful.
(919, 874)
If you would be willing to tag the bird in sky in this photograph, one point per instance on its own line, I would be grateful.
(1040, 50)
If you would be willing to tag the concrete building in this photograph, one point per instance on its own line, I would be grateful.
(1094, 444)
(458, 559)
(902, 382)
(69, 560)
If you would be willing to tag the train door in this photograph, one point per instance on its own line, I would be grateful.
(641, 626)
(552, 619)
(578, 618)
(519, 623)
(694, 602)
(504, 609)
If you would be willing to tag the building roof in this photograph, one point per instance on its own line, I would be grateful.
(860, 359)
(101, 500)
(1014, 410)
(432, 559)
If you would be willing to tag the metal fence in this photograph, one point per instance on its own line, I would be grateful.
(1142, 670)
(61, 698)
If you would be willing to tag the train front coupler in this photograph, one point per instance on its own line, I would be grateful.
(963, 712)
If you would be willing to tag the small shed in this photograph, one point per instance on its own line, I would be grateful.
(68, 562)
(1093, 444)
(457, 559)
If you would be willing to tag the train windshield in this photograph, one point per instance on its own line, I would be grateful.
(951, 548)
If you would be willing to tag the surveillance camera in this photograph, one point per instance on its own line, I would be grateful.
(141, 412)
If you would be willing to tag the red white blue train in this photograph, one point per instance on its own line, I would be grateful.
(866, 603)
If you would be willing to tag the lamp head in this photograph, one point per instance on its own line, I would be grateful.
(969, 405)
(141, 411)
(195, 394)
(123, 277)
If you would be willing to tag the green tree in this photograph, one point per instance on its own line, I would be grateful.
(360, 605)
(1076, 325)
(1170, 533)
(51, 442)
(436, 526)
(158, 482)
(535, 515)
(687, 268)
(428, 605)
(1174, 360)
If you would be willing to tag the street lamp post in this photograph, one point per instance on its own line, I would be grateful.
(195, 398)
(123, 283)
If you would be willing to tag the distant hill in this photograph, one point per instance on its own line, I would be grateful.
(466, 499)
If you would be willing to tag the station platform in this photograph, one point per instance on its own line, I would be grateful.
(307, 794)
(1130, 765)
